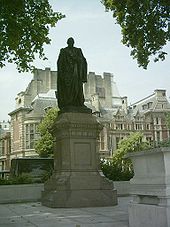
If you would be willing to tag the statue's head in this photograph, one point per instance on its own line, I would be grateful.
(70, 42)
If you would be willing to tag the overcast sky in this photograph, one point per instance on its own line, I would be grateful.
(95, 31)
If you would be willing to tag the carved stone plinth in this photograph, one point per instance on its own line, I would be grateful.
(77, 180)
(150, 188)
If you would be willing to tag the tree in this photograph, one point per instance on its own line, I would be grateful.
(44, 146)
(24, 29)
(145, 26)
(120, 168)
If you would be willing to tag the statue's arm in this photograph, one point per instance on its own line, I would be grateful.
(84, 67)
(60, 60)
(81, 53)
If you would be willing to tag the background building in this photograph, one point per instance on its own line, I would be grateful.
(5, 145)
(30, 108)
(147, 116)
(102, 96)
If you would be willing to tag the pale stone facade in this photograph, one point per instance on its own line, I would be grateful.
(150, 189)
(31, 106)
(102, 96)
(5, 145)
(147, 116)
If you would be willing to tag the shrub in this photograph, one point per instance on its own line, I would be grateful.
(119, 168)
(22, 179)
(115, 172)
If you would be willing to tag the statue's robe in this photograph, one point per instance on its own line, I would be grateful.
(72, 72)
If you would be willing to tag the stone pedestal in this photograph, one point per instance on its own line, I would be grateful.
(77, 180)
(150, 188)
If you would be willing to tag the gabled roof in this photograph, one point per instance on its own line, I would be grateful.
(49, 95)
(40, 104)
(27, 108)
(156, 101)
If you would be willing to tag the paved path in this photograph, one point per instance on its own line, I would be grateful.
(34, 214)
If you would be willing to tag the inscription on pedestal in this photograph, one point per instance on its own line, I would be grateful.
(82, 155)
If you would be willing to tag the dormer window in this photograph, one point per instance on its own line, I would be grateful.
(144, 107)
(19, 101)
(47, 108)
(157, 120)
(149, 104)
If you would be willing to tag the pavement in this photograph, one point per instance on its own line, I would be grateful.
(34, 214)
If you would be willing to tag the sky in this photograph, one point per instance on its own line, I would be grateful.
(99, 37)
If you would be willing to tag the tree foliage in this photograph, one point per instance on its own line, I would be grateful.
(145, 26)
(120, 168)
(44, 146)
(132, 143)
(24, 29)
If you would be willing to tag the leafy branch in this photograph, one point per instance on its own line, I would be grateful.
(24, 29)
(145, 27)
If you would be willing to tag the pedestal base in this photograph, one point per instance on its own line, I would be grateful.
(77, 180)
(78, 190)
(148, 215)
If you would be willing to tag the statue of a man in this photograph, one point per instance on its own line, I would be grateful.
(72, 73)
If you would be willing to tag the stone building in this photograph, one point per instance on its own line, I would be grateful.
(102, 96)
(147, 116)
(32, 104)
(30, 108)
(5, 145)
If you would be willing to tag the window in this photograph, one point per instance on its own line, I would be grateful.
(158, 136)
(149, 140)
(31, 135)
(128, 127)
(119, 117)
(138, 126)
(149, 104)
(112, 126)
(117, 141)
(120, 126)
(47, 108)
(3, 147)
(16, 117)
(148, 126)
(144, 107)
(101, 140)
(157, 120)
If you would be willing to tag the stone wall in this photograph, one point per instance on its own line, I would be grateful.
(20, 193)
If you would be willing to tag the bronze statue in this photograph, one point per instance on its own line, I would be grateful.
(72, 73)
